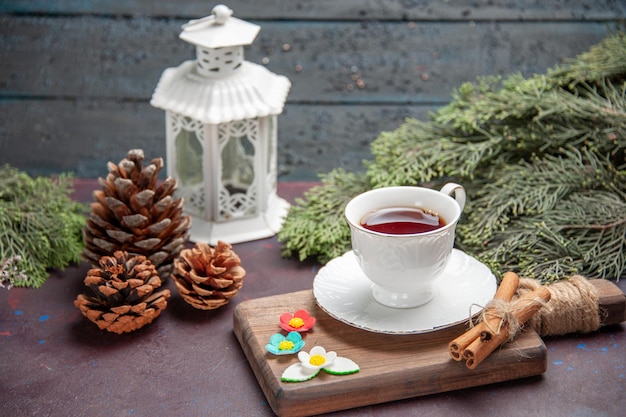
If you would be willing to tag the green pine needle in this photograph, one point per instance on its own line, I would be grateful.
(543, 161)
(39, 224)
(316, 222)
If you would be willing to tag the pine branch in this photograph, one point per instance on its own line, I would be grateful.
(315, 226)
(602, 61)
(39, 223)
(533, 188)
(585, 234)
(498, 128)
(533, 154)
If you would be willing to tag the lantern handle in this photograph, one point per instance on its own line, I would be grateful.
(219, 14)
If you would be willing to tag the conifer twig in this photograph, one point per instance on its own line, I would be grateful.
(543, 161)
(39, 224)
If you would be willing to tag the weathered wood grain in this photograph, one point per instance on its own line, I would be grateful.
(339, 10)
(76, 76)
(81, 136)
(611, 301)
(397, 62)
(392, 367)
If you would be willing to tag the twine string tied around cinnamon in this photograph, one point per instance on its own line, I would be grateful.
(573, 307)
(502, 315)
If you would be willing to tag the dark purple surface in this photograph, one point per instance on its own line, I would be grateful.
(189, 363)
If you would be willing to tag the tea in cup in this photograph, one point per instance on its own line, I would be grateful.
(402, 238)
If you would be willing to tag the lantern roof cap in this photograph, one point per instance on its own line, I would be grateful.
(220, 29)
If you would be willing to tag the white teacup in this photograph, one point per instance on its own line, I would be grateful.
(403, 267)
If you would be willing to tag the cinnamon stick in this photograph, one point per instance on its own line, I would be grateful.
(458, 345)
(506, 290)
(524, 308)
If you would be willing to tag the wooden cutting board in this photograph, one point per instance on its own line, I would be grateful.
(392, 367)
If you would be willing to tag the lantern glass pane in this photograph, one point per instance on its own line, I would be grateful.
(238, 175)
(185, 152)
(188, 158)
(238, 164)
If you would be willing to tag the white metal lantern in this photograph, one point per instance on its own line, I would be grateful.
(221, 132)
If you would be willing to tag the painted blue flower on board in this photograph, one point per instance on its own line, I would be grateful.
(285, 345)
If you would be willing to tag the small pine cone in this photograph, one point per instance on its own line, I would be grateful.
(123, 293)
(206, 277)
(135, 213)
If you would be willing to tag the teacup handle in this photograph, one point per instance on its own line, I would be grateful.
(458, 190)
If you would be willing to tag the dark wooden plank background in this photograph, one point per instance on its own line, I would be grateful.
(76, 76)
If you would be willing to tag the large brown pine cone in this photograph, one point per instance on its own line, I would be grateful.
(134, 213)
(207, 277)
(123, 296)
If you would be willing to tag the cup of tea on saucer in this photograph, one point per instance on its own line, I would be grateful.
(402, 238)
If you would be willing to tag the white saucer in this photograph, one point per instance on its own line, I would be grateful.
(342, 290)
